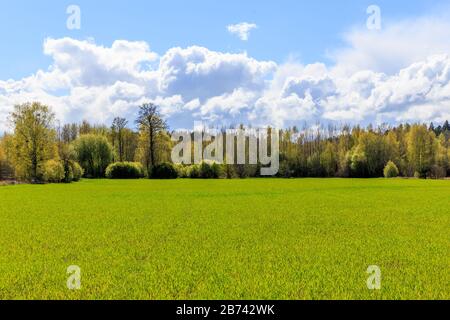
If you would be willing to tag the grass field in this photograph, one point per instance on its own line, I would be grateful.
(226, 239)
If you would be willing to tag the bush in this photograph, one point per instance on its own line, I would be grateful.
(206, 171)
(124, 170)
(217, 170)
(209, 170)
(182, 170)
(391, 170)
(77, 171)
(164, 171)
(53, 171)
(194, 171)
(358, 164)
(228, 171)
(68, 172)
(421, 174)
(437, 172)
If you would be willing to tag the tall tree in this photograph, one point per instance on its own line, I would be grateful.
(151, 124)
(117, 128)
(6, 151)
(34, 139)
(422, 146)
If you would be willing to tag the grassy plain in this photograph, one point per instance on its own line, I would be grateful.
(226, 239)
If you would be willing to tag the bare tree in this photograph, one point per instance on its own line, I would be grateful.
(118, 125)
(151, 124)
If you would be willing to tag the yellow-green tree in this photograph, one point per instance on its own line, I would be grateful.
(6, 149)
(442, 158)
(34, 140)
(422, 145)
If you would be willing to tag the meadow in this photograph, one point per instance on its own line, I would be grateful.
(226, 239)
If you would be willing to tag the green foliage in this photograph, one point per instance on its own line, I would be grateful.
(125, 170)
(182, 171)
(154, 143)
(210, 170)
(285, 170)
(320, 152)
(252, 239)
(391, 170)
(68, 172)
(194, 171)
(77, 171)
(94, 153)
(6, 168)
(358, 164)
(437, 172)
(206, 171)
(53, 171)
(422, 146)
(34, 140)
(164, 171)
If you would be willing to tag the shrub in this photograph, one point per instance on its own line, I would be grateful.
(125, 170)
(229, 171)
(358, 164)
(437, 172)
(391, 170)
(285, 170)
(210, 170)
(164, 171)
(77, 171)
(422, 174)
(182, 170)
(53, 171)
(217, 170)
(206, 171)
(194, 171)
(68, 172)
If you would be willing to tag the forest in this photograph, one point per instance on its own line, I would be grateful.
(40, 149)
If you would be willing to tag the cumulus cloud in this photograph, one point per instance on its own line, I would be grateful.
(86, 64)
(363, 97)
(95, 82)
(242, 30)
(394, 83)
(397, 45)
(197, 72)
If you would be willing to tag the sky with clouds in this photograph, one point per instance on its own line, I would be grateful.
(254, 62)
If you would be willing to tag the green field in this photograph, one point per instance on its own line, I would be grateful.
(226, 239)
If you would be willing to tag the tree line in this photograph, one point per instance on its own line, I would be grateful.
(416, 150)
(40, 149)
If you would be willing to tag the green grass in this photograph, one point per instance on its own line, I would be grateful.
(239, 239)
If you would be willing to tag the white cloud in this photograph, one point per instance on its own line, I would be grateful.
(197, 72)
(90, 81)
(397, 45)
(367, 96)
(86, 64)
(242, 30)
(381, 78)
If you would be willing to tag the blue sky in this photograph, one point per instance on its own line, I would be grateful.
(306, 61)
(304, 30)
